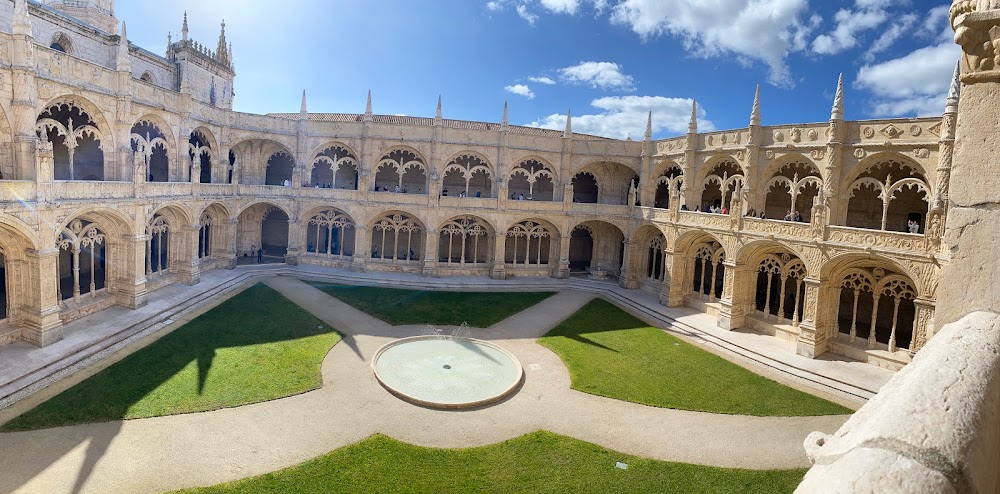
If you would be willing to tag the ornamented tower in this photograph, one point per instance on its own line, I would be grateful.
(204, 74)
(97, 13)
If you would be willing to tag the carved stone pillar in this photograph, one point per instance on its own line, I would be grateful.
(430, 252)
(294, 242)
(676, 280)
(923, 328)
(499, 271)
(131, 270)
(40, 314)
(184, 254)
(362, 248)
(227, 249)
(628, 277)
(562, 271)
(732, 310)
(973, 220)
(818, 318)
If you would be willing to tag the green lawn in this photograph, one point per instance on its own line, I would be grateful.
(539, 462)
(611, 353)
(256, 346)
(399, 307)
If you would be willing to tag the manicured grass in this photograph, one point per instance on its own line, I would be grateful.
(539, 462)
(254, 347)
(399, 307)
(611, 353)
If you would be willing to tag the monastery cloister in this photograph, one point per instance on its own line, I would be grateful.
(115, 183)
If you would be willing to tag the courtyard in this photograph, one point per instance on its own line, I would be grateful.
(228, 395)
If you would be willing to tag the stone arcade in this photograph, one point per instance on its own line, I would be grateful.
(125, 171)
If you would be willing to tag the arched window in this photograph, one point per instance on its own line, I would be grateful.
(792, 190)
(61, 42)
(585, 187)
(720, 185)
(147, 76)
(335, 168)
(149, 148)
(887, 196)
(396, 238)
(205, 236)
(668, 185)
(200, 153)
(468, 175)
(527, 243)
(330, 233)
(779, 287)
(465, 240)
(709, 272)
(82, 261)
(877, 305)
(157, 246)
(76, 142)
(401, 171)
(532, 179)
(656, 258)
(279, 169)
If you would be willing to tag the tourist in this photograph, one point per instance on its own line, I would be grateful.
(444, 192)
(788, 215)
(513, 196)
(461, 194)
(725, 210)
(411, 255)
(260, 254)
(479, 193)
(684, 207)
(397, 188)
(798, 217)
(520, 197)
(752, 213)
(374, 252)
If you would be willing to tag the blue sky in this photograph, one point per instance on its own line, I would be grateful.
(608, 61)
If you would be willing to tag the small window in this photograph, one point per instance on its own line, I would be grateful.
(61, 42)
(147, 77)
(57, 47)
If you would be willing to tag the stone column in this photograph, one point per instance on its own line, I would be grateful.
(499, 269)
(131, 281)
(966, 283)
(362, 248)
(40, 314)
(430, 252)
(225, 249)
(294, 242)
(732, 311)
(924, 327)
(562, 271)
(184, 253)
(817, 319)
(627, 276)
(674, 286)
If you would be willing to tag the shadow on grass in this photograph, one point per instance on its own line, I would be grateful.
(181, 373)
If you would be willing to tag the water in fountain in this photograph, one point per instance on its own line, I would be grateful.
(461, 332)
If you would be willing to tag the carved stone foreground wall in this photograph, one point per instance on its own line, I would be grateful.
(933, 428)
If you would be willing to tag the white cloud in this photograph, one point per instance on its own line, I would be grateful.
(897, 28)
(850, 24)
(936, 24)
(623, 116)
(603, 75)
(522, 10)
(561, 6)
(749, 30)
(494, 5)
(542, 80)
(915, 84)
(520, 89)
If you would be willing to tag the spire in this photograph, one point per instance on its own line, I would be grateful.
(504, 121)
(955, 90)
(838, 101)
(368, 106)
(302, 109)
(222, 51)
(184, 28)
(693, 123)
(569, 124)
(649, 128)
(22, 21)
(123, 64)
(170, 39)
(437, 115)
(755, 113)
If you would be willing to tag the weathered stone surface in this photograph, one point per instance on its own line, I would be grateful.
(934, 427)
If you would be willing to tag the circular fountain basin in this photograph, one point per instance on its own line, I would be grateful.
(447, 372)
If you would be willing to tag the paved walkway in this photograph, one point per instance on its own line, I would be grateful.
(163, 453)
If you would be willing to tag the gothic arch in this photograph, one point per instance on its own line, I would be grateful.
(466, 239)
(886, 193)
(613, 180)
(531, 241)
(80, 146)
(793, 188)
(471, 172)
(62, 42)
(397, 236)
(534, 178)
(94, 111)
(710, 164)
(720, 182)
(402, 168)
(329, 231)
(335, 166)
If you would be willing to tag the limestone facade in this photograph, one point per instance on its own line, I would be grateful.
(124, 171)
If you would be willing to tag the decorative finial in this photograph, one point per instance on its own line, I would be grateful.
(693, 123)
(955, 90)
(22, 21)
(649, 128)
(437, 115)
(368, 106)
(504, 120)
(123, 64)
(302, 109)
(170, 39)
(838, 101)
(755, 112)
(184, 28)
(222, 51)
(569, 124)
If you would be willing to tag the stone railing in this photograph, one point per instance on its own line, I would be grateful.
(17, 191)
(249, 121)
(599, 209)
(877, 238)
(266, 190)
(933, 428)
(537, 206)
(90, 190)
(331, 194)
(167, 189)
(468, 202)
(778, 228)
(214, 189)
(706, 220)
